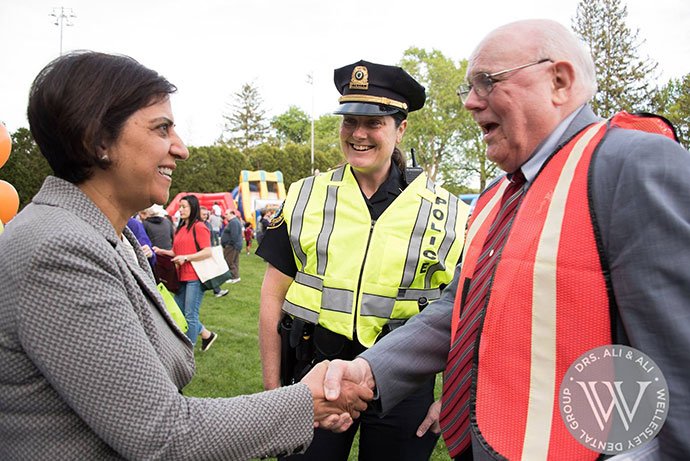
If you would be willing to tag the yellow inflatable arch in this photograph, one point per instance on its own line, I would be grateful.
(259, 190)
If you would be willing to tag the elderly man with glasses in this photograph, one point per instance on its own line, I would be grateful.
(582, 244)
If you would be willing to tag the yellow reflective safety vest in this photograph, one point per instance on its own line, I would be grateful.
(353, 272)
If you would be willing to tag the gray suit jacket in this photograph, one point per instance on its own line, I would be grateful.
(91, 364)
(641, 196)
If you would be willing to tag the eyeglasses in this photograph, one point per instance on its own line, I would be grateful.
(483, 83)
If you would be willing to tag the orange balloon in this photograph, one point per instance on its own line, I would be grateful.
(5, 144)
(9, 201)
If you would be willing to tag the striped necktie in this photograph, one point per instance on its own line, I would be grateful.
(457, 378)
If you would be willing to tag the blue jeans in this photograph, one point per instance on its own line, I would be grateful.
(189, 298)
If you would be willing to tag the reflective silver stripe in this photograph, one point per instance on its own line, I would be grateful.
(336, 299)
(409, 294)
(415, 247)
(447, 242)
(377, 306)
(309, 280)
(543, 332)
(430, 185)
(339, 174)
(328, 223)
(297, 219)
(301, 312)
(481, 217)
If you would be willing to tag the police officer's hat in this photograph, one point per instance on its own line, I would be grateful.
(375, 89)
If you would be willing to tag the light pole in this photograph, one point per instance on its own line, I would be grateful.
(63, 17)
(310, 80)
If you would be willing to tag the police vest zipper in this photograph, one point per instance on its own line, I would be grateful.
(361, 271)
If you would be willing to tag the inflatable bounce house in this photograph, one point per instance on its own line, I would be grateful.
(9, 200)
(223, 199)
(258, 190)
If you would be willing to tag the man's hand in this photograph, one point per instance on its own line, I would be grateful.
(339, 372)
(335, 414)
(431, 420)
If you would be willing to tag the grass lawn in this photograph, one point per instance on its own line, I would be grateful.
(232, 365)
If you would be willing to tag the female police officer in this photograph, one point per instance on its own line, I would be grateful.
(354, 253)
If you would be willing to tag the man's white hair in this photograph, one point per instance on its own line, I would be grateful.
(554, 41)
(558, 42)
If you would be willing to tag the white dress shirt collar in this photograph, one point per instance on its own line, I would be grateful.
(532, 166)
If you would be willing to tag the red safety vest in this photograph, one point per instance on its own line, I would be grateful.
(548, 302)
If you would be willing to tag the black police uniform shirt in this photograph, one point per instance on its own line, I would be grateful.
(275, 247)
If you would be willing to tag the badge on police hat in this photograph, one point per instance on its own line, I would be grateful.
(360, 78)
(371, 89)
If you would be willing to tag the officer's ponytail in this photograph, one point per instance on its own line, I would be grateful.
(398, 157)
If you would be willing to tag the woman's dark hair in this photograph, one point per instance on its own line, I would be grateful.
(398, 157)
(80, 102)
(399, 117)
(194, 212)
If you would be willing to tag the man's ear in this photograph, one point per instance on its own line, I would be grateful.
(563, 79)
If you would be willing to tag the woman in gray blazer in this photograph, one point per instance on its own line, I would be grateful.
(91, 364)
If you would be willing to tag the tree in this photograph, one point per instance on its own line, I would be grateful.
(292, 126)
(471, 166)
(446, 140)
(295, 126)
(293, 160)
(326, 135)
(245, 126)
(673, 102)
(327, 159)
(208, 169)
(293, 129)
(625, 80)
(26, 169)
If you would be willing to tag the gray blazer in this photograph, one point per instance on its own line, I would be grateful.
(91, 364)
(641, 196)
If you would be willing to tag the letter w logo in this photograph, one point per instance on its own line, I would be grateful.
(613, 390)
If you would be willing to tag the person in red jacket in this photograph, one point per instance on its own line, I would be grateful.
(192, 243)
(248, 235)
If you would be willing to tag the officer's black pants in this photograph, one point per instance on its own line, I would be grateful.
(392, 437)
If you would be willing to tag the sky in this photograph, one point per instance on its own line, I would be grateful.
(210, 48)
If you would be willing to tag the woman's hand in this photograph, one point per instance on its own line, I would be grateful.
(161, 251)
(180, 260)
(335, 415)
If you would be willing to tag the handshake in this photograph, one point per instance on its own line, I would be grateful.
(340, 391)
